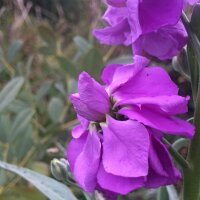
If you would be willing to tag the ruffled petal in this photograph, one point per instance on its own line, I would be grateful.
(125, 148)
(149, 82)
(92, 102)
(118, 184)
(114, 15)
(171, 105)
(87, 163)
(128, 71)
(154, 119)
(84, 110)
(154, 14)
(117, 3)
(162, 170)
(80, 129)
(164, 43)
(115, 35)
(74, 149)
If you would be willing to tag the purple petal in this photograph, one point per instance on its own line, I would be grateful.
(171, 105)
(152, 118)
(118, 184)
(108, 73)
(151, 82)
(115, 35)
(117, 3)
(162, 169)
(84, 110)
(87, 163)
(133, 18)
(92, 102)
(164, 43)
(115, 15)
(74, 149)
(128, 71)
(80, 129)
(125, 148)
(154, 14)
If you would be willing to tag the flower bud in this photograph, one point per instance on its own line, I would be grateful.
(60, 169)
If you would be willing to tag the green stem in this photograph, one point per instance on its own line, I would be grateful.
(192, 175)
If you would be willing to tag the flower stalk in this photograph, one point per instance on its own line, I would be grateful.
(192, 175)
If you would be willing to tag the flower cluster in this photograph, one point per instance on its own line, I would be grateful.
(150, 26)
(118, 145)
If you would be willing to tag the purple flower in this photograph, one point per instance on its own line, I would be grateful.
(118, 147)
(152, 26)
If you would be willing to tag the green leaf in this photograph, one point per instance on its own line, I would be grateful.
(5, 126)
(49, 187)
(195, 25)
(20, 123)
(167, 193)
(47, 34)
(67, 66)
(17, 106)
(55, 109)
(10, 91)
(43, 91)
(47, 50)
(19, 147)
(14, 49)
(22, 193)
(82, 44)
(92, 62)
(124, 59)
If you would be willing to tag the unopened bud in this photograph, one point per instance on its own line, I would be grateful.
(60, 169)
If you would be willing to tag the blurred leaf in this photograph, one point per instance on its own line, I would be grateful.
(93, 63)
(60, 87)
(67, 66)
(124, 59)
(47, 34)
(10, 91)
(55, 109)
(52, 189)
(72, 86)
(40, 167)
(195, 20)
(82, 44)
(20, 123)
(5, 126)
(22, 193)
(3, 177)
(43, 90)
(167, 193)
(163, 194)
(47, 50)
(173, 195)
(14, 49)
(17, 106)
(21, 145)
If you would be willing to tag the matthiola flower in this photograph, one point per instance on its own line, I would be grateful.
(117, 147)
(152, 26)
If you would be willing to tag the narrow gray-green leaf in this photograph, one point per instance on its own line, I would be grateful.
(10, 91)
(14, 49)
(55, 109)
(167, 193)
(52, 189)
(21, 122)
